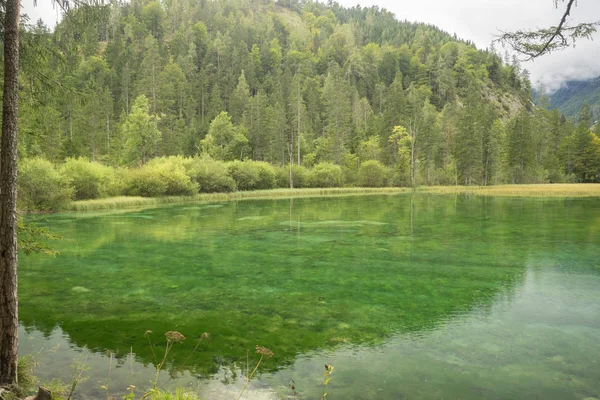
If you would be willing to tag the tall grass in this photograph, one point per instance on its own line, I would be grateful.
(123, 202)
(541, 190)
(537, 190)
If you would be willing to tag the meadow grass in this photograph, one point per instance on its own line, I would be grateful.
(539, 190)
(112, 203)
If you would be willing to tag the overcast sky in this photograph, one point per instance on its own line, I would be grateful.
(478, 21)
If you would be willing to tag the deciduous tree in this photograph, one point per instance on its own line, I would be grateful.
(140, 132)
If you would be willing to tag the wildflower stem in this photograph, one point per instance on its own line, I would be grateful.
(250, 377)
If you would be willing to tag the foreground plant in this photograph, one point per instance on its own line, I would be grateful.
(25, 379)
(28, 384)
(172, 338)
(327, 379)
(77, 377)
(264, 352)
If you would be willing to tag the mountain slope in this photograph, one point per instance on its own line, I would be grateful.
(570, 98)
(282, 82)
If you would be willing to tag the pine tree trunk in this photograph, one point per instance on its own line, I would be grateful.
(8, 198)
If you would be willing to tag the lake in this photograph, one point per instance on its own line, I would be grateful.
(407, 296)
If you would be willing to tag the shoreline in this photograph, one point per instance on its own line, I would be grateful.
(575, 190)
(125, 202)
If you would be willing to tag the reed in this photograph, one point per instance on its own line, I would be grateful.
(123, 202)
(540, 190)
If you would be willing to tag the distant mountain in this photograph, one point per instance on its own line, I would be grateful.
(571, 97)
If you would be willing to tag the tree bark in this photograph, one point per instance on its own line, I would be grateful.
(42, 394)
(8, 198)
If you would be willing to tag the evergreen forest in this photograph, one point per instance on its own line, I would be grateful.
(158, 98)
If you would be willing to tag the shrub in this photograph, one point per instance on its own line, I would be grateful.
(299, 176)
(372, 173)
(266, 175)
(174, 171)
(41, 187)
(252, 175)
(211, 175)
(325, 175)
(117, 188)
(243, 174)
(89, 180)
(144, 181)
(178, 162)
(350, 169)
(282, 177)
(160, 177)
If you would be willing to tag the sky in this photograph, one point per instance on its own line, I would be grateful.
(477, 21)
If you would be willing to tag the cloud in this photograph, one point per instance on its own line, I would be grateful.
(571, 64)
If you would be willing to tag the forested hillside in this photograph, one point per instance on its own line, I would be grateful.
(571, 97)
(291, 82)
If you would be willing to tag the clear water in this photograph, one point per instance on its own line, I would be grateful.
(415, 297)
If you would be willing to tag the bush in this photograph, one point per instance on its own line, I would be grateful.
(266, 175)
(299, 176)
(174, 171)
(349, 167)
(177, 162)
(41, 187)
(244, 176)
(144, 181)
(373, 174)
(325, 175)
(160, 177)
(252, 175)
(211, 175)
(89, 180)
(282, 177)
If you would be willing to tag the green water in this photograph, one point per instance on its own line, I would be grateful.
(415, 297)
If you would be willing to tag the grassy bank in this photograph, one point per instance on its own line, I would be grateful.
(548, 190)
(540, 190)
(113, 203)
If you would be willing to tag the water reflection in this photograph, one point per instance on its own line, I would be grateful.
(418, 297)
